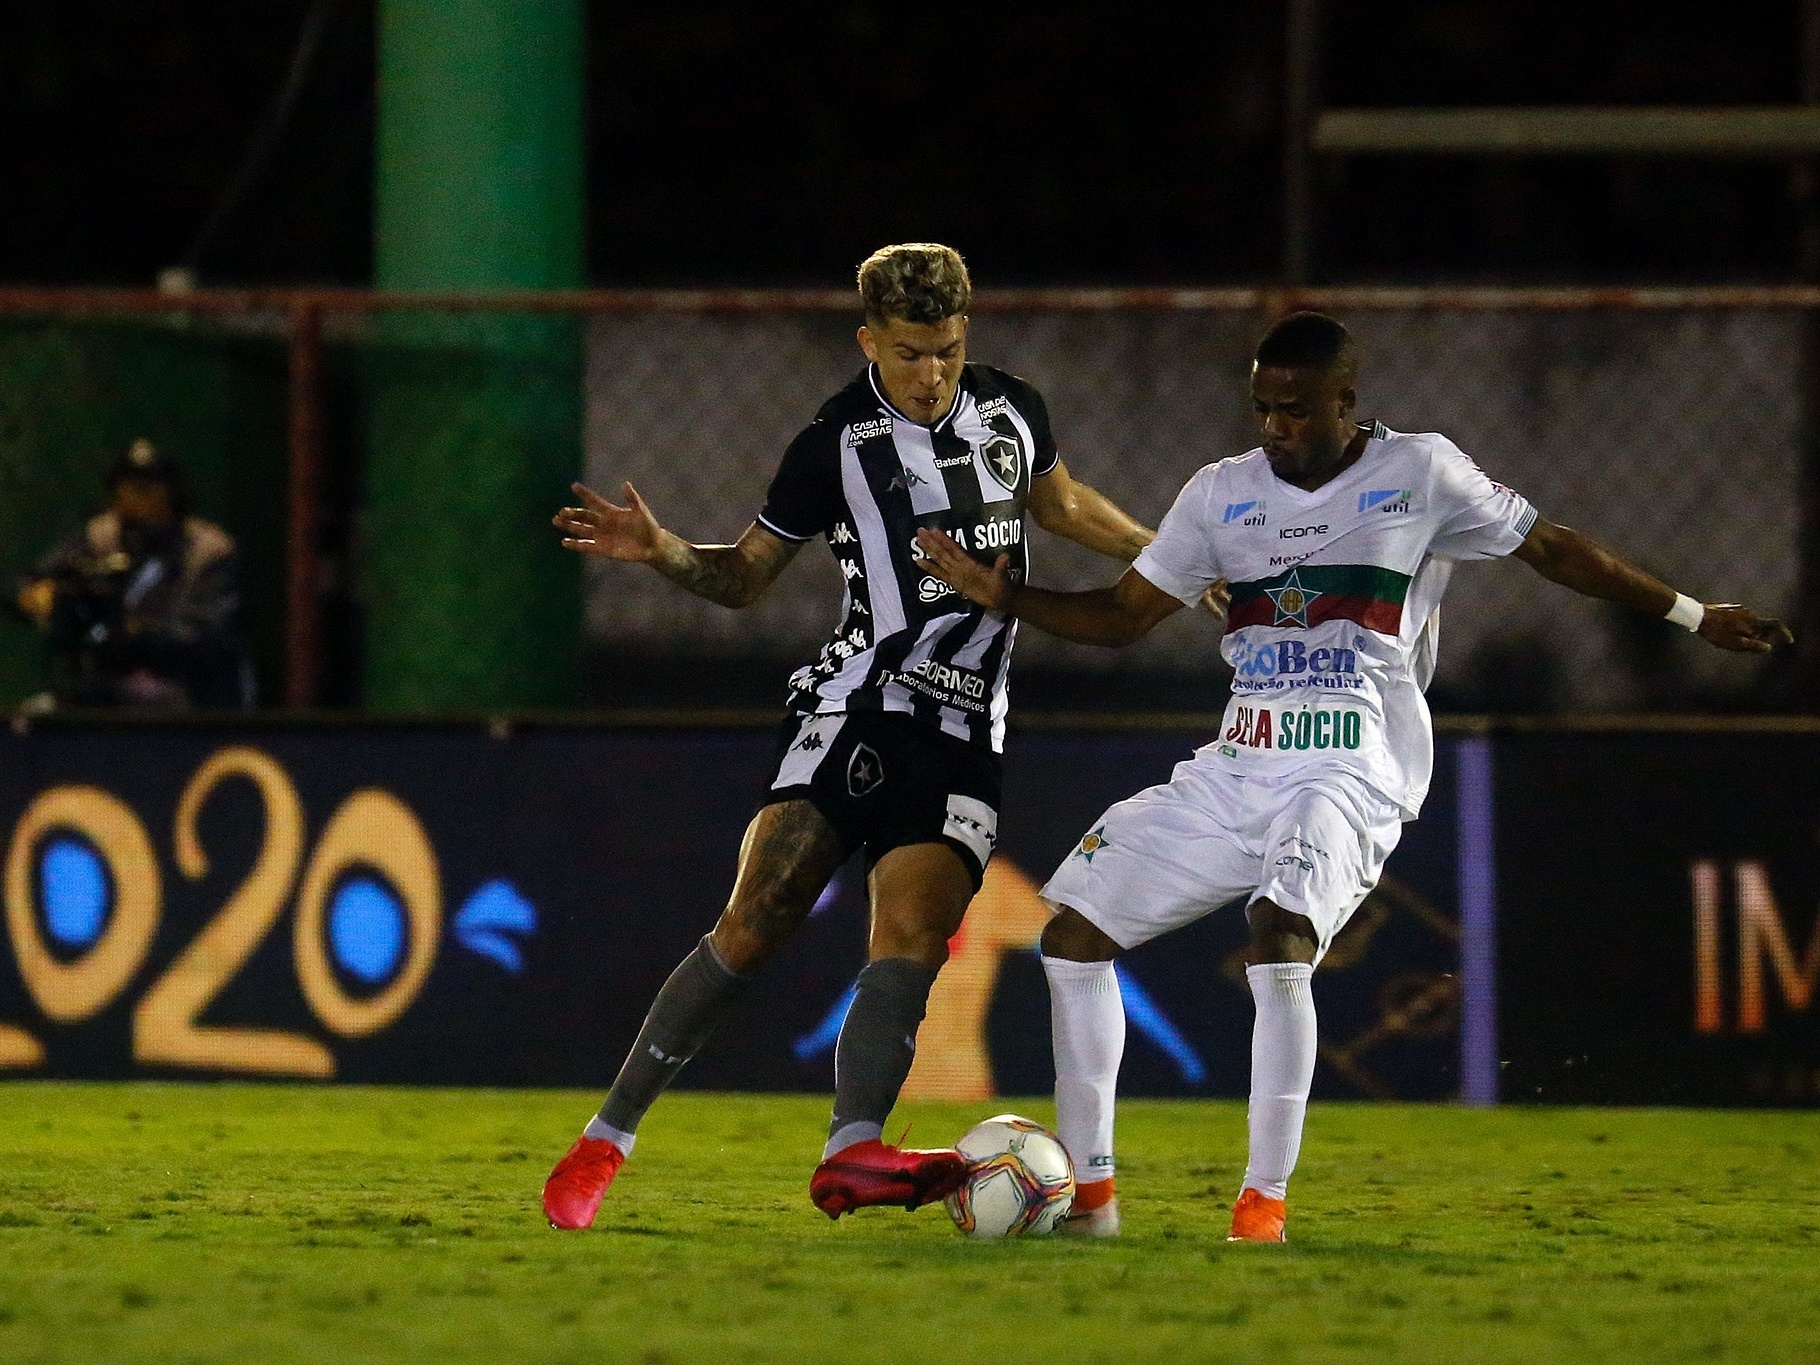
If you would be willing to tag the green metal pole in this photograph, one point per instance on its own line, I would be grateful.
(475, 420)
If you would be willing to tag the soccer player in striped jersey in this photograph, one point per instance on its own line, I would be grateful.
(893, 737)
(1337, 539)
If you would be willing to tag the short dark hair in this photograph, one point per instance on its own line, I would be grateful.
(1306, 341)
(914, 282)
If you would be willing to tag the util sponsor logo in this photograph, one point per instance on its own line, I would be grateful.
(1291, 658)
(1245, 513)
(1297, 728)
(1385, 500)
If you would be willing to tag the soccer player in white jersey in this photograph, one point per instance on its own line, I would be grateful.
(1337, 539)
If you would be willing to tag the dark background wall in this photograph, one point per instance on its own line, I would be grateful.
(1084, 142)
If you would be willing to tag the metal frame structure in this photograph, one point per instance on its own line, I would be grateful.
(297, 316)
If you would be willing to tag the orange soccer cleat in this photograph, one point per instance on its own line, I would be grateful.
(874, 1172)
(1258, 1218)
(571, 1196)
(1095, 1212)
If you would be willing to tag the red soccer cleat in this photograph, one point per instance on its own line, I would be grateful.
(1258, 1218)
(872, 1172)
(571, 1196)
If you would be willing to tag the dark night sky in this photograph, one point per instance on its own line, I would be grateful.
(1055, 143)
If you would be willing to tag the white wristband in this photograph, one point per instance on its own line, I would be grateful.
(1686, 613)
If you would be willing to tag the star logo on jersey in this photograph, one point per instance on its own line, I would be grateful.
(1092, 843)
(865, 770)
(1292, 601)
(1003, 455)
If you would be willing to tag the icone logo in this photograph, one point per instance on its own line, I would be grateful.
(1297, 532)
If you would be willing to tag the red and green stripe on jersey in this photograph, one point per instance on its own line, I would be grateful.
(1310, 594)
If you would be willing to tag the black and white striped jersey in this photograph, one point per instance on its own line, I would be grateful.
(867, 477)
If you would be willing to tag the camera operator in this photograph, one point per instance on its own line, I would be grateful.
(141, 607)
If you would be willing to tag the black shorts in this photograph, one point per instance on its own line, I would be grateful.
(884, 780)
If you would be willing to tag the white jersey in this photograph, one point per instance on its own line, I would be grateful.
(1336, 600)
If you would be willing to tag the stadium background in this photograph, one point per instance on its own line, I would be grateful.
(1630, 340)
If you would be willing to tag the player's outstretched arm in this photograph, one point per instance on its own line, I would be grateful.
(1066, 507)
(1562, 555)
(1112, 616)
(731, 575)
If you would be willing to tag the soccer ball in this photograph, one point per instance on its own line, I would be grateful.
(1019, 1179)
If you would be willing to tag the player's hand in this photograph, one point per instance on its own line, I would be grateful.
(608, 530)
(1730, 626)
(990, 588)
(1217, 599)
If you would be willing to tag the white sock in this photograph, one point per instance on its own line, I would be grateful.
(1282, 1069)
(850, 1133)
(1087, 1026)
(608, 1133)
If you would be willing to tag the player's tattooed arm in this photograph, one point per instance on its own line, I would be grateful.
(732, 575)
(1066, 507)
(1565, 556)
(1113, 616)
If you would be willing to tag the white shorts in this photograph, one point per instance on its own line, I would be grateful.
(1173, 853)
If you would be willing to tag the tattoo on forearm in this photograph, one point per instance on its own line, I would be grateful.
(716, 572)
(729, 575)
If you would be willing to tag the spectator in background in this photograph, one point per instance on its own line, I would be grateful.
(141, 607)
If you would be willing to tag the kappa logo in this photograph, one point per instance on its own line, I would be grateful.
(865, 770)
(851, 568)
(1004, 458)
(842, 534)
(906, 478)
(1385, 500)
(810, 742)
(1245, 513)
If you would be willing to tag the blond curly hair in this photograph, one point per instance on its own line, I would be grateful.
(914, 282)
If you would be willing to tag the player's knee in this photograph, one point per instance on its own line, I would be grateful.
(1074, 938)
(764, 918)
(919, 942)
(1279, 935)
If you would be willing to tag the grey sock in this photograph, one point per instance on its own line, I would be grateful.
(878, 1041)
(686, 1012)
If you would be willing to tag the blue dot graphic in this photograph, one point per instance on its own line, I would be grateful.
(73, 889)
(366, 930)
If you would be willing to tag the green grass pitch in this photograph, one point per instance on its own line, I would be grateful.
(274, 1223)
